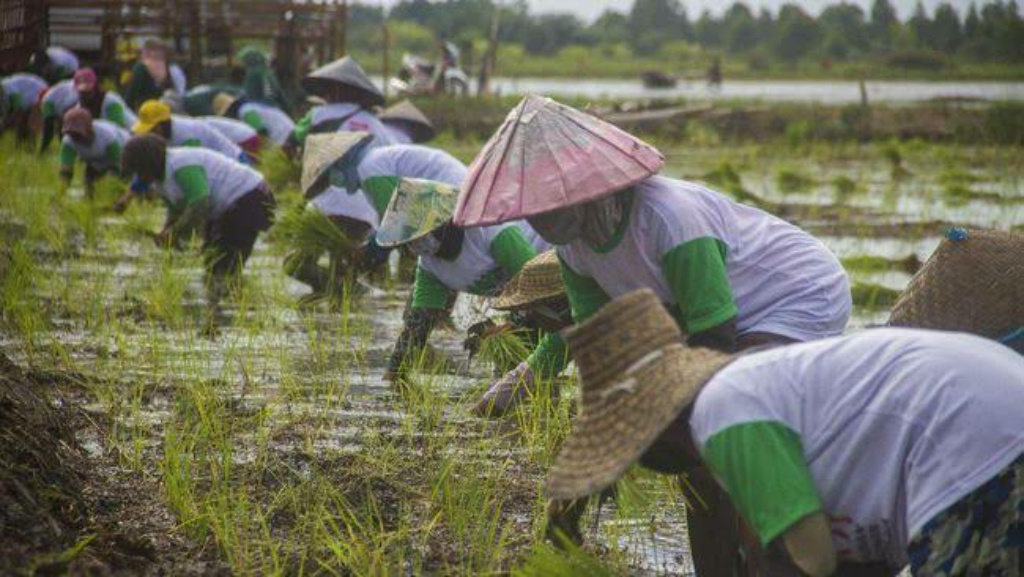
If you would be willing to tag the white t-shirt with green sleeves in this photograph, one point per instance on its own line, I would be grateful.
(198, 133)
(277, 124)
(22, 90)
(222, 179)
(60, 98)
(104, 152)
(117, 110)
(776, 277)
(881, 430)
(476, 260)
(236, 130)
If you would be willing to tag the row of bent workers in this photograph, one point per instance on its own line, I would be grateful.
(708, 335)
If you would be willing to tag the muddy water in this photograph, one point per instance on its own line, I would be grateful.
(266, 361)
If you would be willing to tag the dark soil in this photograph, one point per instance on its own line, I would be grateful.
(64, 509)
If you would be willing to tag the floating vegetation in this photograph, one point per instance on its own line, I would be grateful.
(844, 186)
(790, 180)
(910, 264)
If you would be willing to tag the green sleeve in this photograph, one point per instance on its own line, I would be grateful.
(67, 155)
(696, 275)
(761, 465)
(302, 127)
(193, 142)
(193, 183)
(586, 297)
(380, 189)
(252, 118)
(138, 86)
(550, 357)
(511, 249)
(113, 154)
(49, 110)
(428, 292)
(115, 113)
(17, 102)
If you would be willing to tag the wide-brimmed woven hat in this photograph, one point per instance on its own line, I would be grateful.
(635, 377)
(322, 152)
(547, 156)
(973, 282)
(539, 280)
(407, 117)
(417, 207)
(223, 102)
(346, 74)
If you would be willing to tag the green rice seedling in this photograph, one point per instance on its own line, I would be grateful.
(506, 348)
(281, 173)
(543, 560)
(844, 187)
(872, 296)
(868, 263)
(893, 154)
(791, 180)
(310, 231)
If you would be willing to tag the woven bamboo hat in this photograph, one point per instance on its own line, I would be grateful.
(346, 74)
(635, 377)
(540, 279)
(407, 117)
(325, 151)
(973, 282)
(417, 207)
(223, 102)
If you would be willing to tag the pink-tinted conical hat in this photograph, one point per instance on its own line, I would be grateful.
(548, 156)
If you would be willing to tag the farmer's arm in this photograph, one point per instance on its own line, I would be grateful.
(301, 131)
(696, 274)
(511, 249)
(192, 211)
(550, 357)
(113, 154)
(67, 161)
(50, 121)
(429, 300)
(762, 467)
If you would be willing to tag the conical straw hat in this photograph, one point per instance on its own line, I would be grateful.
(323, 152)
(417, 207)
(548, 156)
(540, 279)
(407, 116)
(973, 282)
(635, 377)
(348, 74)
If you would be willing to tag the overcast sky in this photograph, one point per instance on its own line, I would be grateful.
(591, 9)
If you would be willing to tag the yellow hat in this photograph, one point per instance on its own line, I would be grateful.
(151, 113)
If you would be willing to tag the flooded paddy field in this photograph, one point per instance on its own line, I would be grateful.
(279, 447)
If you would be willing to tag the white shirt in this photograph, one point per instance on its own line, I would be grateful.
(63, 58)
(178, 78)
(184, 129)
(783, 280)
(475, 260)
(62, 96)
(397, 134)
(110, 98)
(358, 120)
(27, 86)
(336, 201)
(278, 124)
(228, 179)
(896, 424)
(95, 154)
(236, 130)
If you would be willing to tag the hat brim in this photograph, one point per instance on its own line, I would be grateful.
(317, 178)
(323, 88)
(521, 299)
(605, 443)
(144, 127)
(394, 231)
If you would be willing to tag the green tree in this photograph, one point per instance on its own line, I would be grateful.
(654, 22)
(946, 32)
(740, 28)
(884, 23)
(796, 33)
(709, 31)
(845, 29)
(921, 26)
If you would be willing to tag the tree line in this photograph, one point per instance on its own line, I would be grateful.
(989, 32)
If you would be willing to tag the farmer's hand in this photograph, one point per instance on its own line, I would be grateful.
(564, 522)
(506, 393)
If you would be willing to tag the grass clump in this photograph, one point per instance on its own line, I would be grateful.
(844, 186)
(791, 180)
(873, 297)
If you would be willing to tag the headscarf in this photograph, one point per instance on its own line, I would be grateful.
(602, 217)
(90, 95)
(78, 121)
(146, 157)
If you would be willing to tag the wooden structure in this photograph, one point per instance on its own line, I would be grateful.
(205, 34)
(22, 23)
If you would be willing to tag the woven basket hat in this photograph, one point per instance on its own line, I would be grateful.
(635, 377)
(974, 282)
(223, 102)
(417, 207)
(539, 280)
(547, 156)
(407, 117)
(346, 74)
(325, 151)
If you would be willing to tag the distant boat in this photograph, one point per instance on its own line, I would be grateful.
(655, 79)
